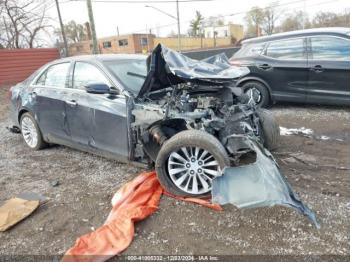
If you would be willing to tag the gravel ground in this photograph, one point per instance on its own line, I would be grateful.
(81, 201)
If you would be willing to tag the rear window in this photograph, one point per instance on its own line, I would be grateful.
(249, 50)
(330, 48)
(286, 49)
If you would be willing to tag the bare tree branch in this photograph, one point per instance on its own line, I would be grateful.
(22, 24)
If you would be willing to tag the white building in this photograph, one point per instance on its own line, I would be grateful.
(230, 30)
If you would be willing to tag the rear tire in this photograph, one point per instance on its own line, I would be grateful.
(193, 180)
(31, 133)
(270, 130)
(259, 91)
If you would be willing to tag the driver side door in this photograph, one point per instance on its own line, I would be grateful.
(97, 121)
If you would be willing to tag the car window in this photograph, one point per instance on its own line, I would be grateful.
(286, 49)
(330, 48)
(249, 50)
(54, 76)
(130, 72)
(85, 73)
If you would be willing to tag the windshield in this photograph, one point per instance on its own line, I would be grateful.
(130, 72)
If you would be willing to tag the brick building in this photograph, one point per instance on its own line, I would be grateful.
(127, 44)
(144, 43)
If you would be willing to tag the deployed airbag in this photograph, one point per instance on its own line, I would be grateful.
(259, 184)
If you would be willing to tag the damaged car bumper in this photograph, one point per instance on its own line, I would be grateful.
(259, 184)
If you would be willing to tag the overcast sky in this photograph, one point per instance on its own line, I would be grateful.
(135, 17)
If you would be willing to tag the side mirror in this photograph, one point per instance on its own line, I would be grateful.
(97, 88)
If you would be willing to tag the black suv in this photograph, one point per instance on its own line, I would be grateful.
(311, 66)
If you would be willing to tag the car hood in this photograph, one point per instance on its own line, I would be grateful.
(167, 67)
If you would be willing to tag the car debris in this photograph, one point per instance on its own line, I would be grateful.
(259, 184)
(55, 183)
(14, 129)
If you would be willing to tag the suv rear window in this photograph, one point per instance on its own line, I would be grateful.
(286, 49)
(330, 48)
(249, 50)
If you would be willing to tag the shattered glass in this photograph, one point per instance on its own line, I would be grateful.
(259, 184)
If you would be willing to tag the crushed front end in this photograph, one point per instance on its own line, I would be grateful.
(181, 94)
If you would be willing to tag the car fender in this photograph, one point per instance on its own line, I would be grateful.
(22, 110)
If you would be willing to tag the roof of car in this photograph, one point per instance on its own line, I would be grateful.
(305, 32)
(103, 57)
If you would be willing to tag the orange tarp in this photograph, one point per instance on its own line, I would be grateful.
(133, 202)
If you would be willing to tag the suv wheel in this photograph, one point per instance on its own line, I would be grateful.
(258, 92)
(189, 161)
(31, 132)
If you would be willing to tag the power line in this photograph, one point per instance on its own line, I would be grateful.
(38, 6)
(45, 3)
(143, 1)
(232, 14)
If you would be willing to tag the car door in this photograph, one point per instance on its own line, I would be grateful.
(49, 92)
(285, 68)
(97, 120)
(329, 65)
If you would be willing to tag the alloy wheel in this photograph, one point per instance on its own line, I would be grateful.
(254, 94)
(192, 169)
(29, 132)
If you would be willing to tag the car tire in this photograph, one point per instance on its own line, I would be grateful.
(270, 130)
(260, 92)
(31, 133)
(172, 152)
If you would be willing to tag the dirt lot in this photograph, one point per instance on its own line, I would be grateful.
(81, 202)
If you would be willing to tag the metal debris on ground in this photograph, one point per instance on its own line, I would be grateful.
(259, 184)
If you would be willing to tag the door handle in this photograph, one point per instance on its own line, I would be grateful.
(317, 69)
(72, 102)
(265, 66)
(33, 94)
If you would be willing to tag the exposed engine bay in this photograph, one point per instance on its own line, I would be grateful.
(220, 111)
(193, 125)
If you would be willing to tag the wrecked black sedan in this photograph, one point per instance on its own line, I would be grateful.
(184, 117)
(181, 115)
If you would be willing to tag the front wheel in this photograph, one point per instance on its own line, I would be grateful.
(31, 132)
(258, 92)
(189, 161)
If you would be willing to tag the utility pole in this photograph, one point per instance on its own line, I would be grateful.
(304, 12)
(92, 25)
(177, 18)
(178, 26)
(66, 53)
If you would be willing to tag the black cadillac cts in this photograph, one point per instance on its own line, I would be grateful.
(181, 115)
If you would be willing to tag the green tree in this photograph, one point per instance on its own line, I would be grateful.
(195, 26)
